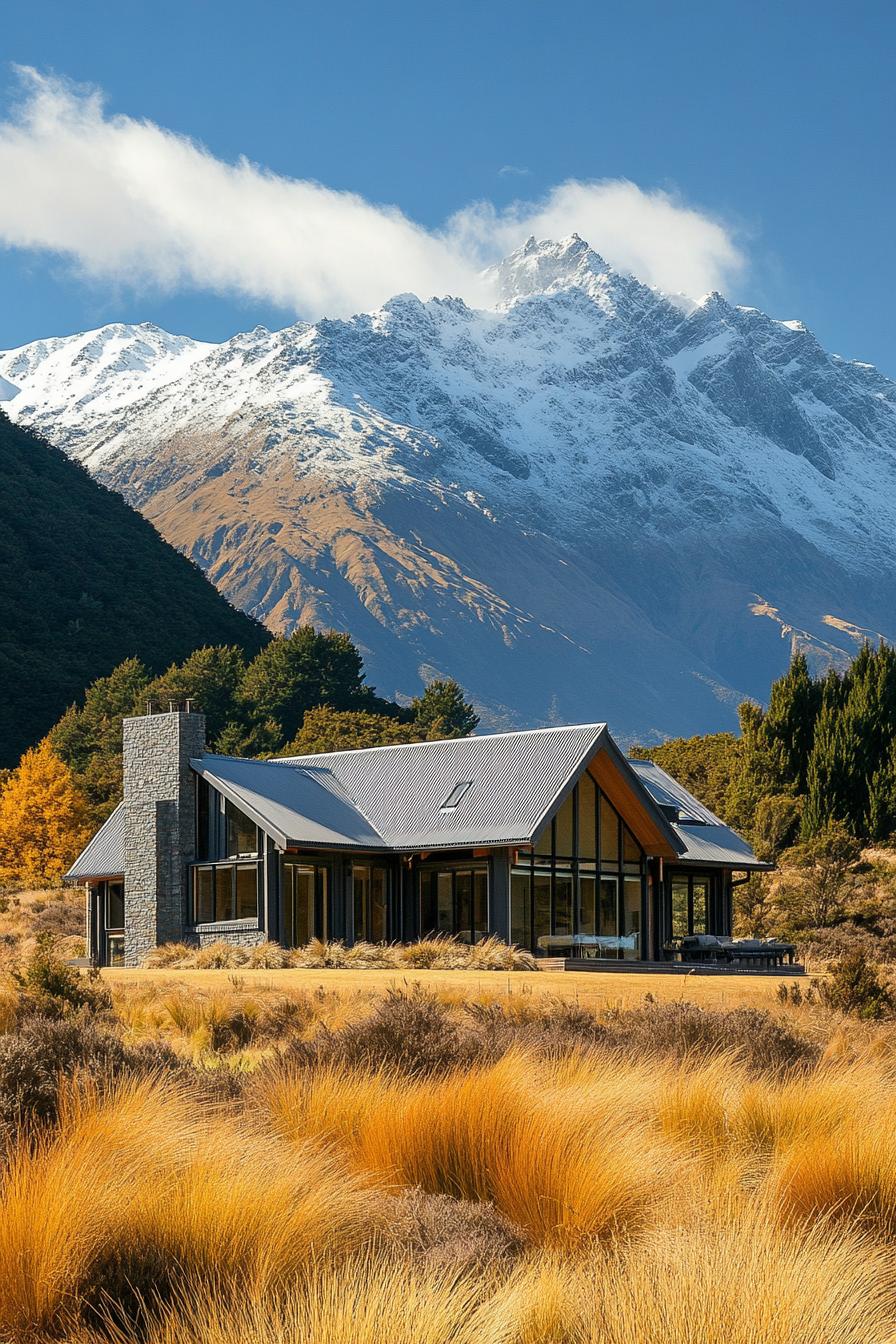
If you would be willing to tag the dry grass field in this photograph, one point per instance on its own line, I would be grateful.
(441, 1157)
(592, 989)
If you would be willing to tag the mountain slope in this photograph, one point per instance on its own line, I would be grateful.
(584, 502)
(85, 582)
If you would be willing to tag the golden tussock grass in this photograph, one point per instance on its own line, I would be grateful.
(142, 1179)
(658, 1201)
(552, 1149)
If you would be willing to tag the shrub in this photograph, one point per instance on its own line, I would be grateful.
(464, 1235)
(45, 1050)
(50, 988)
(856, 985)
(682, 1030)
(268, 957)
(411, 1032)
(58, 920)
(283, 1016)
(170, 955)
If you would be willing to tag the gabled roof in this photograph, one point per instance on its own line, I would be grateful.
(400, 798)
(515, 781)
(103, 856)
(704, 837)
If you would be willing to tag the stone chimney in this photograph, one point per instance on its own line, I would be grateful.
(160, 825)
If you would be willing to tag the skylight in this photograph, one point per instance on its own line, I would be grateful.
(456, 794)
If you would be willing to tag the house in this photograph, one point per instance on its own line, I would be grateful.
(548, 838)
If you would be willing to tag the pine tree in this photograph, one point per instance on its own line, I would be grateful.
(794, 702)
(43, 820)
(325, 729)
(441, 711)
(211, 677)
(297, 672)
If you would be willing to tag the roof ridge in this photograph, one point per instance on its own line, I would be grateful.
(436, 742)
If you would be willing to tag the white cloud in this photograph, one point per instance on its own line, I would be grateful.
(128, 201)
(511, 170)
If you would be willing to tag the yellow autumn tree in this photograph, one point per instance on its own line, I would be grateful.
(43, 820)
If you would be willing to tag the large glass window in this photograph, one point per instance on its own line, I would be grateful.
(578, 892)
(203, 895)
(203, 819)
(563, 889)
(455, 901)
(241, 832)
(587, 818)
(542, 885)
(223, 831)
(588, 904)
(564, 845)
(521, 909)
(224, 892)
(609, 832)
(370, 884)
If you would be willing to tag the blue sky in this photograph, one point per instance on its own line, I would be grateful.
(773, 123)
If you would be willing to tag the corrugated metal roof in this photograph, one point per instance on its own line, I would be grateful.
(515, 781)
(709, 840)
(395, 797)
(296, 807)
(104, 855)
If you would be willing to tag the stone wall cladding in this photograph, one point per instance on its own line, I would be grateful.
(160, 826)
(241, 934)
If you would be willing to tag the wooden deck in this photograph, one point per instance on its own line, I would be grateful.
(661, 967)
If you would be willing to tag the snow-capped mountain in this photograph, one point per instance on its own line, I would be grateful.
(587, 502)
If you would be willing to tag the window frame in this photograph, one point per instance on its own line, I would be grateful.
(233, 865)
(431, 873)
(542, 859)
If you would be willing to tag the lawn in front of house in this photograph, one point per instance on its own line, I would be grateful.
(591, 989)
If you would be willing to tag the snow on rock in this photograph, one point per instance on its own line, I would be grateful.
(584, 502)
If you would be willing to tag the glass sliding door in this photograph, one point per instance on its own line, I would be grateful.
(690, 904)
(305, 889)
(680, 901)
(370, 891)
(454, 901)
(699, 905)
(630, 940)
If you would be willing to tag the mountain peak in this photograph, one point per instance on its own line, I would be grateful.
(539, 266)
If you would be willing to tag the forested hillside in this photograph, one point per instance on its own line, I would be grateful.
(85, 582)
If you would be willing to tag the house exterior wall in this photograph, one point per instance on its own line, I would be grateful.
(159, 838)
(160, 826)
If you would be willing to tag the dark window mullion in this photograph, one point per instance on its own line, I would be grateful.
(553, 875)
(574, 913)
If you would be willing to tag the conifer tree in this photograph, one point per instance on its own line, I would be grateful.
(442, 711)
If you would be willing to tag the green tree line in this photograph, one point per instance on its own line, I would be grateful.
(304, 692)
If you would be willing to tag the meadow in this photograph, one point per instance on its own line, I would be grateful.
(204, 1157)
